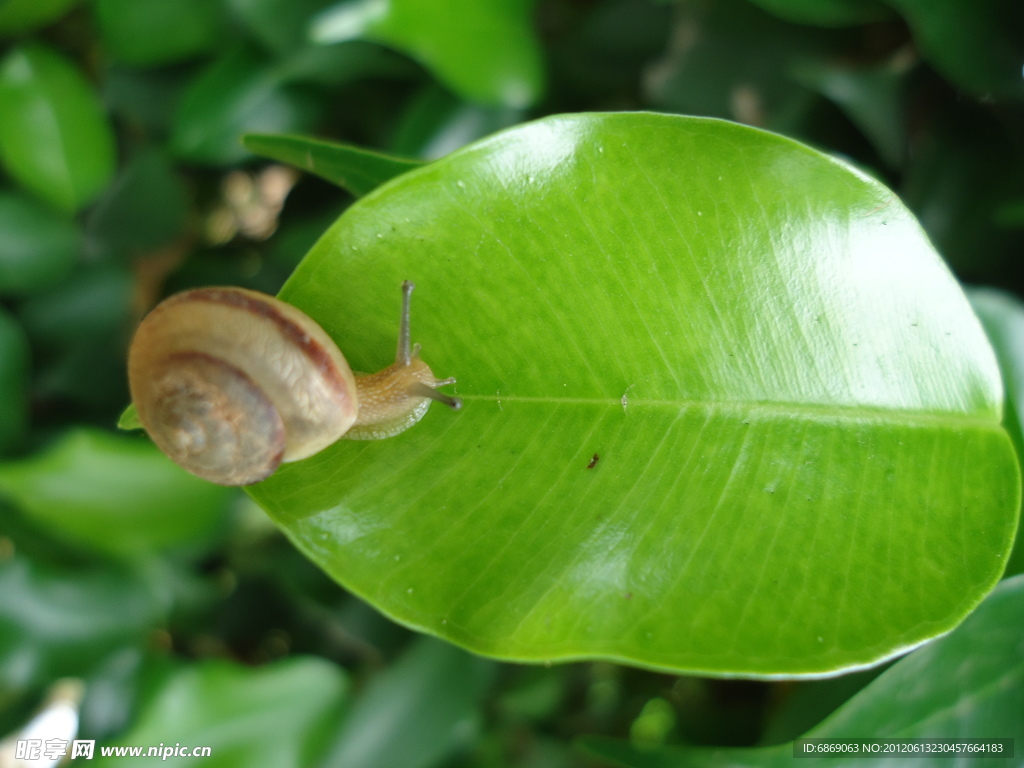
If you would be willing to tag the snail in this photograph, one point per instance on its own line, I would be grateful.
(230, 383)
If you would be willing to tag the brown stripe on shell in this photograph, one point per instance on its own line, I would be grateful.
(266, 309)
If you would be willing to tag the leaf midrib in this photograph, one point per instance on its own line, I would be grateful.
(795, 410)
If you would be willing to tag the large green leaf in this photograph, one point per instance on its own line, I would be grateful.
(967, 685)
(54, 138)
(725, 409)
(484, 50)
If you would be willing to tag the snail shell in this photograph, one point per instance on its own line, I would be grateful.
(230, 383)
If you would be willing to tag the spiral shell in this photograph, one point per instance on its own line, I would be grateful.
(230, 383)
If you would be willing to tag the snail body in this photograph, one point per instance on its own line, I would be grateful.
(230, 383)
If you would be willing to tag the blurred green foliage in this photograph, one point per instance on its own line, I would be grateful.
(123, 179)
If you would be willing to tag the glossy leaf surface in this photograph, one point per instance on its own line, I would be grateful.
(484, 50)
(112, 493)
(353, 168)
(712, 422)
(967, 684)
(54, 138)
(249, 717)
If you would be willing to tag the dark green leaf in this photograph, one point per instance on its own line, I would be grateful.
(145, 207)
(484, 50)
(145, 99)
(249, 717)
(733, 60)
(352, 168)
(61, 622)
(114, 494)
(967, 684)
(37, 246)
(158, 31)
(806, 703)
(20, 16)
(281, 26)
(93, 305)
(436, 123)
(239, 93)
(417, 711)
(1003, 318)
(873, 99)
(14, 370)
(331, 66)
(962, 169)
(782, 382)
(978, 46)
(54, 138)
(826, 13)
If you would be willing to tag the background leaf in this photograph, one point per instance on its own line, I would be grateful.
(14, 370)
(280, 25)
(114, 494)
(38, 247)
(731, 59)
(20, 16)
(485, 50)
(54, 137)
(414, 714)
(56, 622)
(276, 715)
(352, 168)
(144, 208)
(158, 31)
(961, 686)
(774, 413)
(239, 93)
(976, 45)
(1003, 318)
(826, 13)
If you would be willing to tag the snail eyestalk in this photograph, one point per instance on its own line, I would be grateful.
(420, 389)
(392, 400)
(404, 355)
